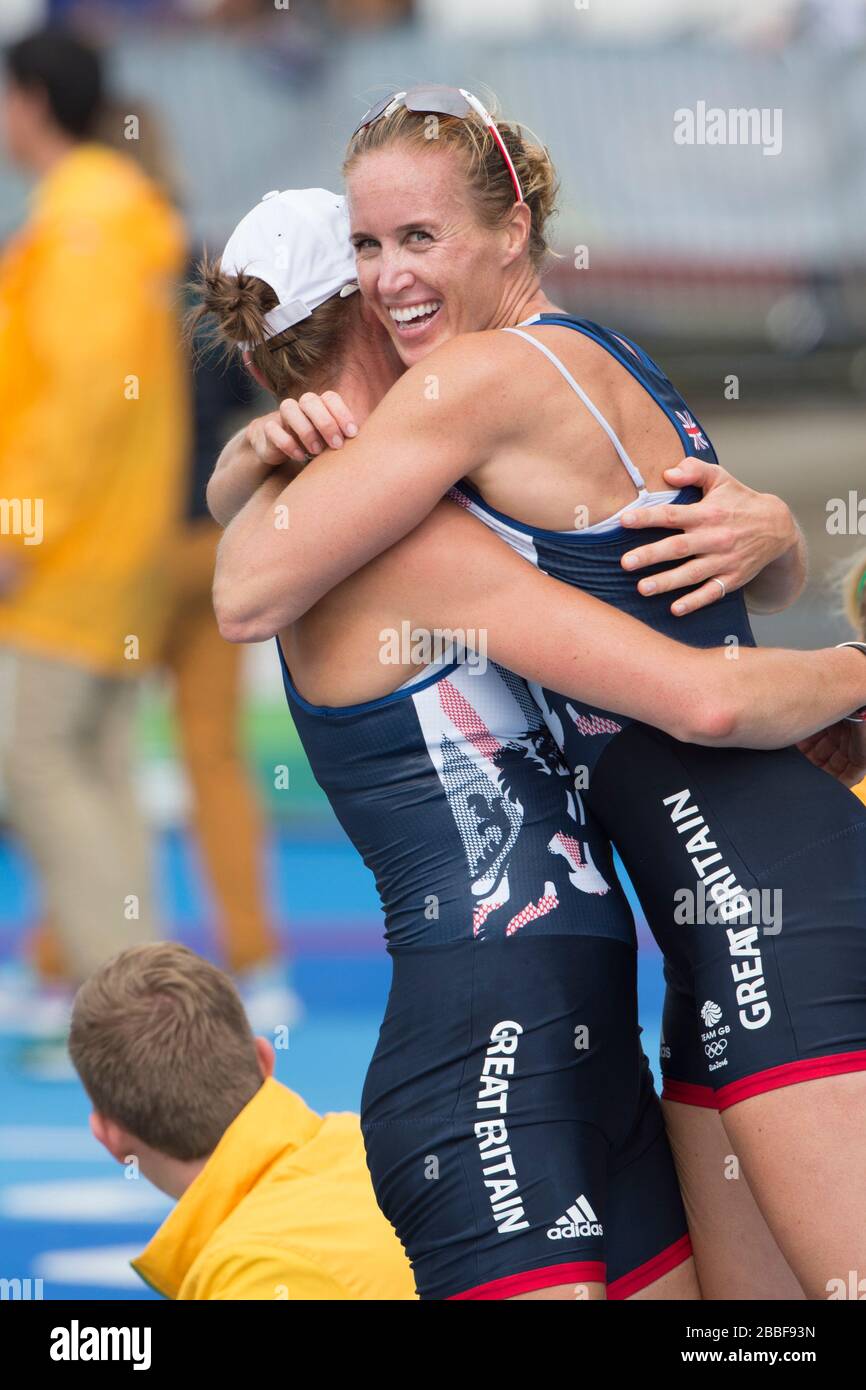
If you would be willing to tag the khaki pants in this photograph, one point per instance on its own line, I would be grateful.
(206, 674)
(68, 735)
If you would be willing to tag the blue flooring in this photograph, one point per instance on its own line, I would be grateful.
(68, 1216)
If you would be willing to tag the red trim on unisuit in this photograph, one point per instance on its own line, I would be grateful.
(653, 1269)
(687, 1093)
(788, 1074)
(587, 1271)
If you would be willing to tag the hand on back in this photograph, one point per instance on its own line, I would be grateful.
(723, 541)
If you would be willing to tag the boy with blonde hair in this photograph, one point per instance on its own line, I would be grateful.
(273, 1200)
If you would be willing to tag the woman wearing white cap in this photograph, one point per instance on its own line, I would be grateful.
(268, 574)
(451, 789)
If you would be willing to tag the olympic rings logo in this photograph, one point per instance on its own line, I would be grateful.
(715, 1049)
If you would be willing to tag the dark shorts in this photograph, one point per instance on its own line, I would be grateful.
(751, 869)
(513, 1135)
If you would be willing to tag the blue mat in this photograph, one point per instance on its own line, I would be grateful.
(68, 1216)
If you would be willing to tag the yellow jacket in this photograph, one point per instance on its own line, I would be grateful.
(283, 1209)
(93, 413)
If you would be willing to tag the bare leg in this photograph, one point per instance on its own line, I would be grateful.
(678, 1285)
(735, 1252)
(804, 1148)
(570, 1293)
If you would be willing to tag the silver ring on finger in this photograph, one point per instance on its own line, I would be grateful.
(721, 584)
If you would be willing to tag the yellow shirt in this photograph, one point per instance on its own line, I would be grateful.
(283, 1209)
(860, 790)
(93, 413)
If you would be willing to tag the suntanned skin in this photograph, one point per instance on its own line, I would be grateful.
(452, 572)
(735, 1252)
(496, 402)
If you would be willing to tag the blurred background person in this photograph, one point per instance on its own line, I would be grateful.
(369, 14)
(93, 407)
(204, 672)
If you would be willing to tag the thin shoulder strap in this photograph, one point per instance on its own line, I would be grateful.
(633, 472)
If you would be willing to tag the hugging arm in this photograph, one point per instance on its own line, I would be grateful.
(782, 581)
(287, 547)
(260, 451)
(437, 424)
(453, 573)
(463, 576)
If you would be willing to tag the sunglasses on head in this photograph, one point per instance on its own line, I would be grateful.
(442, 101)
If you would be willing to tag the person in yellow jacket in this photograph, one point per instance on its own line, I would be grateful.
(93, 432)
(274, 1201)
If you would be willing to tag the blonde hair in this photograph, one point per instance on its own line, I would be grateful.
(486, 172)
(854, 595)
(163, 1047)
(232, 309)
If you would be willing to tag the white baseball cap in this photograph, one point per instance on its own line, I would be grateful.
(297, 241)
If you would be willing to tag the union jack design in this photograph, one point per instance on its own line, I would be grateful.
(582, 871)
(459, 497)
(531, 913)
(478, 734)
(591, 724)
(692, 429)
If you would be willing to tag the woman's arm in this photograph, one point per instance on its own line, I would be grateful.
(453, 573)
(293, 432)
(258, 451)
(284, 550)
(781, 582)
(760, 698)
(440, 422)
(239, 472)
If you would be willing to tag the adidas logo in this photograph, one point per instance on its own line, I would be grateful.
(579, 1220)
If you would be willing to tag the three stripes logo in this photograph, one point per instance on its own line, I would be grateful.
(579, 1220)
